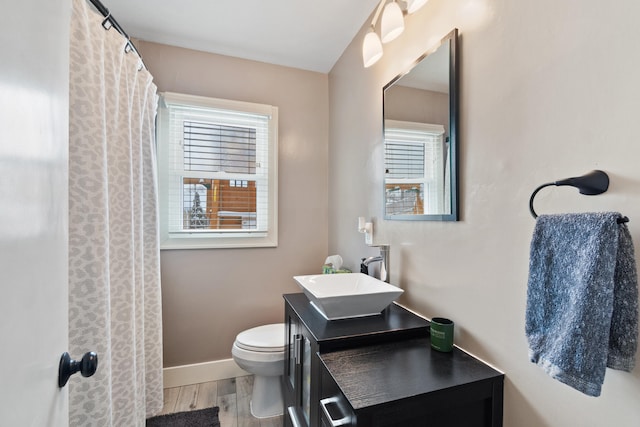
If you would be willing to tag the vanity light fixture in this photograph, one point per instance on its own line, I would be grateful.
(371, 48)
(392, 22)
(392, 25)
(413, 5)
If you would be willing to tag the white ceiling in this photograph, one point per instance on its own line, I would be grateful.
(306, 34)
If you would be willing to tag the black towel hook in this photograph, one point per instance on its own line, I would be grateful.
(591, 184)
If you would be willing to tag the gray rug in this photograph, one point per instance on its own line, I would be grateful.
(200, 418)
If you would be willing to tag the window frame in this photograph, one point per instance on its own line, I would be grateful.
(212, 238)
(414, 133)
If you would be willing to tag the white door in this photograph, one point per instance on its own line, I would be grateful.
(34, 62)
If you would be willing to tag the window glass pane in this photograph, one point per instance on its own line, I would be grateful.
(217, 204)
(212, 147)
(404, 199)
(227, 152)
(404, 160)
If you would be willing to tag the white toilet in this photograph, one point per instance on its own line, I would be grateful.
(260, 351)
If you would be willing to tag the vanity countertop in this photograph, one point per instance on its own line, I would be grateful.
(386, 373)
(395, 322)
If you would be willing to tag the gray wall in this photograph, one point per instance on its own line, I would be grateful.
(416, 105)
(548, 91)
(209, 296)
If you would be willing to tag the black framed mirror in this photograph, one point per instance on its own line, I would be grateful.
(420, 125)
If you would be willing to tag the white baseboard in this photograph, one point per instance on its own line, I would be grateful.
(177, 376)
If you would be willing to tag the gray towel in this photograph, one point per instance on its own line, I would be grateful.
(582, 298)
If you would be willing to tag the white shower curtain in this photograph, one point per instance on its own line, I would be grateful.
(114, 274)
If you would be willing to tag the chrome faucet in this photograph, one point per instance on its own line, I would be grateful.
(383, 259)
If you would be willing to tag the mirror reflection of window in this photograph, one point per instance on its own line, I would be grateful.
(420, 117)
(415, 171)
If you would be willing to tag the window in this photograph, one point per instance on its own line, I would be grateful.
(217, 169)
(414, 168)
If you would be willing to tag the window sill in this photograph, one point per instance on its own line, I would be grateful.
(218, 243)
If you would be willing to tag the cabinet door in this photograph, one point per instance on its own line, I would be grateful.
(291, 378)
(297, 378)
(290, 359)
(305, 378)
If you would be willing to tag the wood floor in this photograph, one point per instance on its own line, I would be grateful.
(231, 395)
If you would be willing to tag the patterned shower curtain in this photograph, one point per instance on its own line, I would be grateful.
(114, 274)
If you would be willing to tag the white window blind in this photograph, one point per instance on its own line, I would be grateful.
(217, 169)
(414, 167)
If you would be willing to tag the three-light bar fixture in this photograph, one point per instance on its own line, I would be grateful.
(391, 26)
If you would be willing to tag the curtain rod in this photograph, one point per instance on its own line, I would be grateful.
(113, 23)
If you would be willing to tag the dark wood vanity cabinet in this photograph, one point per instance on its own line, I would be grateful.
(310, 334)
(409, 384)
(380, 371)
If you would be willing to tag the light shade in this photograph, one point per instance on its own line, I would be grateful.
(392, 22)
(413, 5)
(371, 49)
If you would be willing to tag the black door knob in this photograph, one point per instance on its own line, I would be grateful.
(87, 366)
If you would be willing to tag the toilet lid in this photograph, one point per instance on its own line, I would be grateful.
(267, 338)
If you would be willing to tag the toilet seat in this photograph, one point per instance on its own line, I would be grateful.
(262, 339)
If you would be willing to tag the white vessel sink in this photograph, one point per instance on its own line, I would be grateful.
(347, 295)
